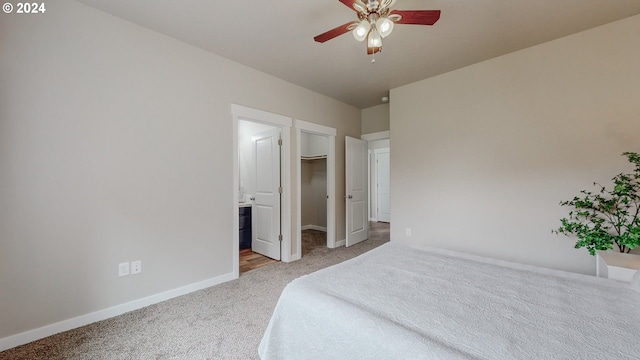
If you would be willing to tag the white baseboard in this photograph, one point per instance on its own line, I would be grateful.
(294, 257)
(48, 330)
(313, 227)
(341, 243)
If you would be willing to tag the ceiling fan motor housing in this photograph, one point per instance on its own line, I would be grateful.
(372, 5)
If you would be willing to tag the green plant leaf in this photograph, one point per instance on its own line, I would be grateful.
(606, 219)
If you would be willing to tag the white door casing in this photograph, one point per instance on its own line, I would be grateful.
(356, 190)
(265, 215)
(330, 133)
(382, 158)
(284, 123)
(374, 142)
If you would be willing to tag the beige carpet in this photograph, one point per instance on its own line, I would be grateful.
(222, 322)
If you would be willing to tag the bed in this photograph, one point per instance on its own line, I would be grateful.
(402, 302)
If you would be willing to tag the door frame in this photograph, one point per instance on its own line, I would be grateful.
(382, 135)
(376, 182)
(330, 133)
(239, 112)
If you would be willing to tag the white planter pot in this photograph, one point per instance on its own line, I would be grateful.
(616, 265)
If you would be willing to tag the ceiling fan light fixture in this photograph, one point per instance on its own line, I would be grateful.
(374, 40)
(361, 31)
(385, 26)
(376, 21)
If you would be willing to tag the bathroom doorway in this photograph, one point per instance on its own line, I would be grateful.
(259, 188)
(261, 184)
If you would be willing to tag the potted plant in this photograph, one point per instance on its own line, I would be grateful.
(604, 218)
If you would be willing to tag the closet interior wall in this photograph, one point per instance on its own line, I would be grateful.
(313, 169)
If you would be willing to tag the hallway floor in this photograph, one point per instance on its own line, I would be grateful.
(311, 239)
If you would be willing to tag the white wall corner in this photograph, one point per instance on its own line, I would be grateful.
(376, 136)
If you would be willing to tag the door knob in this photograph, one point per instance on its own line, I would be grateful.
(349, 197)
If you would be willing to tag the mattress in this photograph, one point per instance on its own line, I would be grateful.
(401, 302)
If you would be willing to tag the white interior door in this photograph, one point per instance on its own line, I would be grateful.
(266, 207)
(356, 190)
(383, 185)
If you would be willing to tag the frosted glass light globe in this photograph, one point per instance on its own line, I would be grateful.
(361, 31)
(384, 26)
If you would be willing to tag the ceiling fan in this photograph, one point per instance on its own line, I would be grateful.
(376, 21)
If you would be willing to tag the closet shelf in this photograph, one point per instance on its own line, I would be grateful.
(309, 158)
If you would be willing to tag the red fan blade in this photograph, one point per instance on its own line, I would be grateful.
(373, 50)
(350, 3)
(417, 17)
(335, 32)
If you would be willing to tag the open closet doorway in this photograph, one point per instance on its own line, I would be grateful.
(261, 176)
(316, 186)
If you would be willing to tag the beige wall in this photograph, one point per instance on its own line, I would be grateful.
(375, 119)
(483, 155)
(115, 145)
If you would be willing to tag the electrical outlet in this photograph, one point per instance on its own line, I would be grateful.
(408, 232)
(123, 269)
(136, 267)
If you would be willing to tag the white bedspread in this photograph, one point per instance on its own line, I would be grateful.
(399, 302)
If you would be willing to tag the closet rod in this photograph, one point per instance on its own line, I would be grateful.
(319, 157)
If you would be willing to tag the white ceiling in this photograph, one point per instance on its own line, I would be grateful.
(276, 36)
